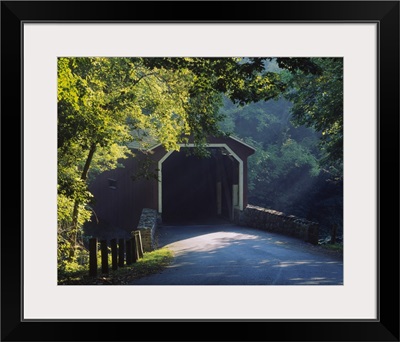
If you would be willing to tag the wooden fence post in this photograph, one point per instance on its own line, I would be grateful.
(128, 252)
(138, 243)
(114, 254)
(133, 248)
(93, 257)
(121, 248)
(104, 256)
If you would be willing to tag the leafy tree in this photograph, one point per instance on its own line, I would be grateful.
(318, 103)
(286, 159)
(295, 140)
(100, 102)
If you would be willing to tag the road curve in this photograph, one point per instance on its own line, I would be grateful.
(231, 255)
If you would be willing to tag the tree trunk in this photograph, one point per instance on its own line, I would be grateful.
(75, 213)
(88, 162)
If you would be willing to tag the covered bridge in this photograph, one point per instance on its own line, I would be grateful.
(183, 187)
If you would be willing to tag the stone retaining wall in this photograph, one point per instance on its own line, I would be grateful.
(277, 222)
(147, 227)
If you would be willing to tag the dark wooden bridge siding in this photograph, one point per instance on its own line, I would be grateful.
(121, 207)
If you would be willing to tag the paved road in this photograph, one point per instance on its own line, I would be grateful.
(231, 255)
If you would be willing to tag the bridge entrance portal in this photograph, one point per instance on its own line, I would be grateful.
(199, 189)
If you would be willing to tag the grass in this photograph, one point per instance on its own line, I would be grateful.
(334, 247)
(151, 263)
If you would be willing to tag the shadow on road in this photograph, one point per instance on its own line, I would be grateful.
(233, 255)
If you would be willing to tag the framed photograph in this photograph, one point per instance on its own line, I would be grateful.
(359, 301)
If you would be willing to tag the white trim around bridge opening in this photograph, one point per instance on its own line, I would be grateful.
(234, 155)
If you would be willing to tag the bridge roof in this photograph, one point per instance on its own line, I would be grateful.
(143, 141)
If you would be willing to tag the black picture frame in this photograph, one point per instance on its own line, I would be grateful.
(385, 13)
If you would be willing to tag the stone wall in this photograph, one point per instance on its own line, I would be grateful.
(147, 227)
(278, 222)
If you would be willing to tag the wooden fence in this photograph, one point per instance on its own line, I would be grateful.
(123, 252)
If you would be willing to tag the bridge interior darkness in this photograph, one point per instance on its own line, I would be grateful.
(198, 190)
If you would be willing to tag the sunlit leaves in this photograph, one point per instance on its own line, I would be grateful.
(100, 102)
